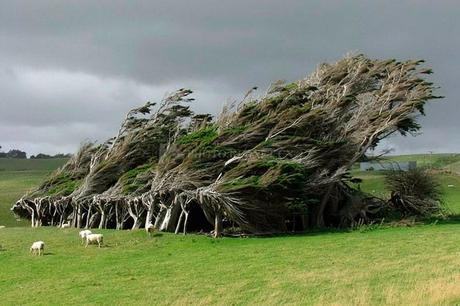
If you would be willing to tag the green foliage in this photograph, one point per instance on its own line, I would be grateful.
(130, 180)
(300, 206)
(267, 173)
(203, 136)
(235, 130)
(242, 182)
(249, 110)
(63, 185)
(291, 86)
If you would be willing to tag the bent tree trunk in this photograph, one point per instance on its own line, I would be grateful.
(319, 220)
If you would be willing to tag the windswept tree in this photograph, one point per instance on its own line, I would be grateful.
(270, 164)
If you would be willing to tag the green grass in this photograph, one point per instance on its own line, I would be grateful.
(11, 164)
(418, 265)
(454, 167)
(371, 266)
(16, 178)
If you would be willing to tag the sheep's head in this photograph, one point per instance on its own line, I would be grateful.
(20, 210)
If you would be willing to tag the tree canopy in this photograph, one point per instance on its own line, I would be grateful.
(268, 164)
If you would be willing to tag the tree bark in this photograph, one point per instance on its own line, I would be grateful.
(319, 220)
(218, 225)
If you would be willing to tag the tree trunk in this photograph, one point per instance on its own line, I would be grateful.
(88, 218)
(319, 220)
(78, 215)
(178, 223)
(93, 219)
(148, 217)
(218, 225)
(33, 218)
(185, 223)
(136, 224)
(102, 222)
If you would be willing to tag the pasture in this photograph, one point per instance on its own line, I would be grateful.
(371, 265)
(413, 265)
(17, 176)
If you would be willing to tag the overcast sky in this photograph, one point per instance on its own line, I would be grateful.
(69, 70)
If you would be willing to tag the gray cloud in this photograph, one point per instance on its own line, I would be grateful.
(69, 70)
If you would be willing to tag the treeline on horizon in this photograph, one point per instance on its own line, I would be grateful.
(19, 154)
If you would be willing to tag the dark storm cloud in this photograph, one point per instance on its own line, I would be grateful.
(64, 63)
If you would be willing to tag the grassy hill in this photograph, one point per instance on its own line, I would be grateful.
(373, 265)
(17, 176)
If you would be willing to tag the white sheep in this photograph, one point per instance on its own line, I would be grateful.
(149, 228)
(94, 238)
(83, 235)
(37, 246)
(65, 225)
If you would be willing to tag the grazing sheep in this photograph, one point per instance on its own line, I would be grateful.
(83, 235)
(65, 225)
(93, 238)
(37, 246)
(2, 226)
(150, 229)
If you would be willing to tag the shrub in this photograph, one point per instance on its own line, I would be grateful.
(415, 192)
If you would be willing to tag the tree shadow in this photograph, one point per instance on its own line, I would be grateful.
(450, 219)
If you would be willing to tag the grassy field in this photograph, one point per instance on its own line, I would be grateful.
(17, 176)
(371, 266)
(418, 265)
